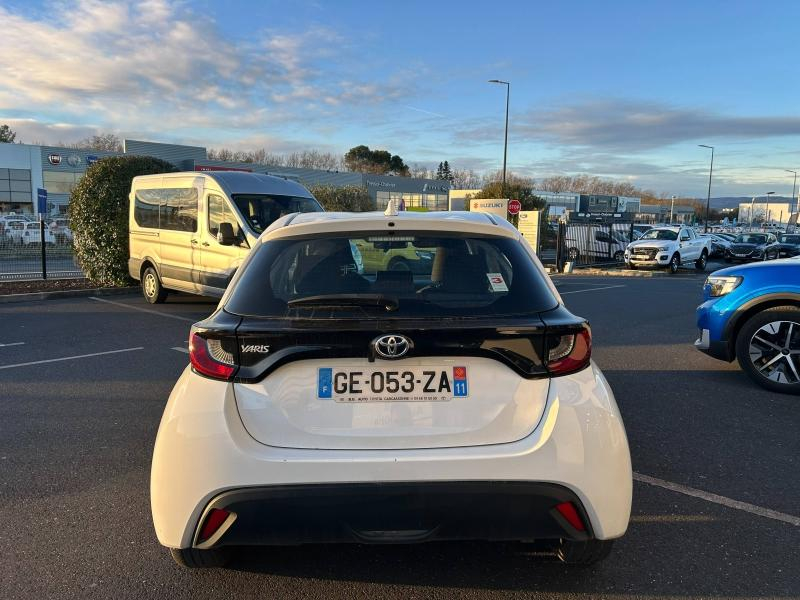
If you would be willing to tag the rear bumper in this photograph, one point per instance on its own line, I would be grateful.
(395, 512)
(203, 452)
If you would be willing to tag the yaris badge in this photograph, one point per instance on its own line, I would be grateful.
(392, 346)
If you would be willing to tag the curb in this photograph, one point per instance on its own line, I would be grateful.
(629, 273)
(618, 273)
(34, 296)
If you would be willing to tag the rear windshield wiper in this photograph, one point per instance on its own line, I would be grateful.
(344, 300)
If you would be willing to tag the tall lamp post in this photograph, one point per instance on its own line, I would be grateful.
(710, 171)
(505, 144)
(794, 185)
(671, 209)
(766, 214)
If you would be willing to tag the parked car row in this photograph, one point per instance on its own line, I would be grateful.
(377, 296)
(18, 230)
(749, 247)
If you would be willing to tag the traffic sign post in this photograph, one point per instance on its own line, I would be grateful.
(41, 201)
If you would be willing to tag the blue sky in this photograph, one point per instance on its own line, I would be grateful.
(616, 89)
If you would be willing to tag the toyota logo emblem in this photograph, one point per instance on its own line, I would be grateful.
(392, 346)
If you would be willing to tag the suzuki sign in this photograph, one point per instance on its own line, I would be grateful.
(492, 206)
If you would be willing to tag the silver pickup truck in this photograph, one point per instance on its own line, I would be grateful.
(668, 247)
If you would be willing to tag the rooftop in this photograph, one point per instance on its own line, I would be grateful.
(442, 221)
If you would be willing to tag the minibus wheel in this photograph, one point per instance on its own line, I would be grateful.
(152, 289)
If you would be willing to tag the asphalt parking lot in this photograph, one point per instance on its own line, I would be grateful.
(84, 382)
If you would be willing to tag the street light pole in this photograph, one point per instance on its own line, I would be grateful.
(794, 185)
(710, 171)
(505, 143)
(671, 209)
(752, 202)
(766, 216)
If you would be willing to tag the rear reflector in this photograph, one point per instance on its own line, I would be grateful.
(568, 511)
(216, 517)
(209, 358)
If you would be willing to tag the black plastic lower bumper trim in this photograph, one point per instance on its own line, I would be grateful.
(398, 512)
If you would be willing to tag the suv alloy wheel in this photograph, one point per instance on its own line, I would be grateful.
(768, 349)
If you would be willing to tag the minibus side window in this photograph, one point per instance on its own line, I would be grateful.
(145, 209)
(219, 212)
(179, 209)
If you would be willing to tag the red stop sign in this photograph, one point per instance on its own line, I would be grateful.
(514, 206)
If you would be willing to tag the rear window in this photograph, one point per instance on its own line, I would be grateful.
(396, 276)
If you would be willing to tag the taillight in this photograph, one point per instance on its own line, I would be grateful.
(212, 357)
(569, 352)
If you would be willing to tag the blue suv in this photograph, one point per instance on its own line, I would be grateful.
(752, 313)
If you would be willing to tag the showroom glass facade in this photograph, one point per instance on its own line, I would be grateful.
(15, 189)
(412, 200)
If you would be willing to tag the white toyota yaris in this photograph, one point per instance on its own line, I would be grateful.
(379, 378)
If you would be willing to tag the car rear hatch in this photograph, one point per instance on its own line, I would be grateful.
(456, 386)
(380, 341)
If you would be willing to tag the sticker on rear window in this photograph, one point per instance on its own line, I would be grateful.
(497, 282)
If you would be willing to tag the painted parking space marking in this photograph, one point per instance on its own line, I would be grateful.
(144, 310)
(180, 349)
(595, 289)
(12, 344)
(559, 282)
(63, 358)
(717, 499)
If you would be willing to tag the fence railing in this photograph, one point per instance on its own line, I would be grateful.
(584, 244)
(32, 249)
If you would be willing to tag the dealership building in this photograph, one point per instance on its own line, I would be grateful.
(25, 170)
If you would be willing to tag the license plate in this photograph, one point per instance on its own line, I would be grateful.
(417, 384)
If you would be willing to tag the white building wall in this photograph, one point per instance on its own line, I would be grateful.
(779, 212)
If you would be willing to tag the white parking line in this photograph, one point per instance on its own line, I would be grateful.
(12, 344)
(717, 499)
(51, 360)
(562, 282)
(144, 310)
(596, 289)
(179, 349)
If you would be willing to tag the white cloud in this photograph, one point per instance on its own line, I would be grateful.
(157, 66)
(31, 131)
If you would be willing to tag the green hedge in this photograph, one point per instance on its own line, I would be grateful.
(343, 199)
(98, 212)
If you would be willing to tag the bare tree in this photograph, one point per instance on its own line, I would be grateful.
(421, 171)
(307, 159)
(107, 142)
(466, 179)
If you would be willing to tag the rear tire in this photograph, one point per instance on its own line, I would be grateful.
(775, 319)
(192, 558)
(152, 289)
(619, 256)
(583, 553)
